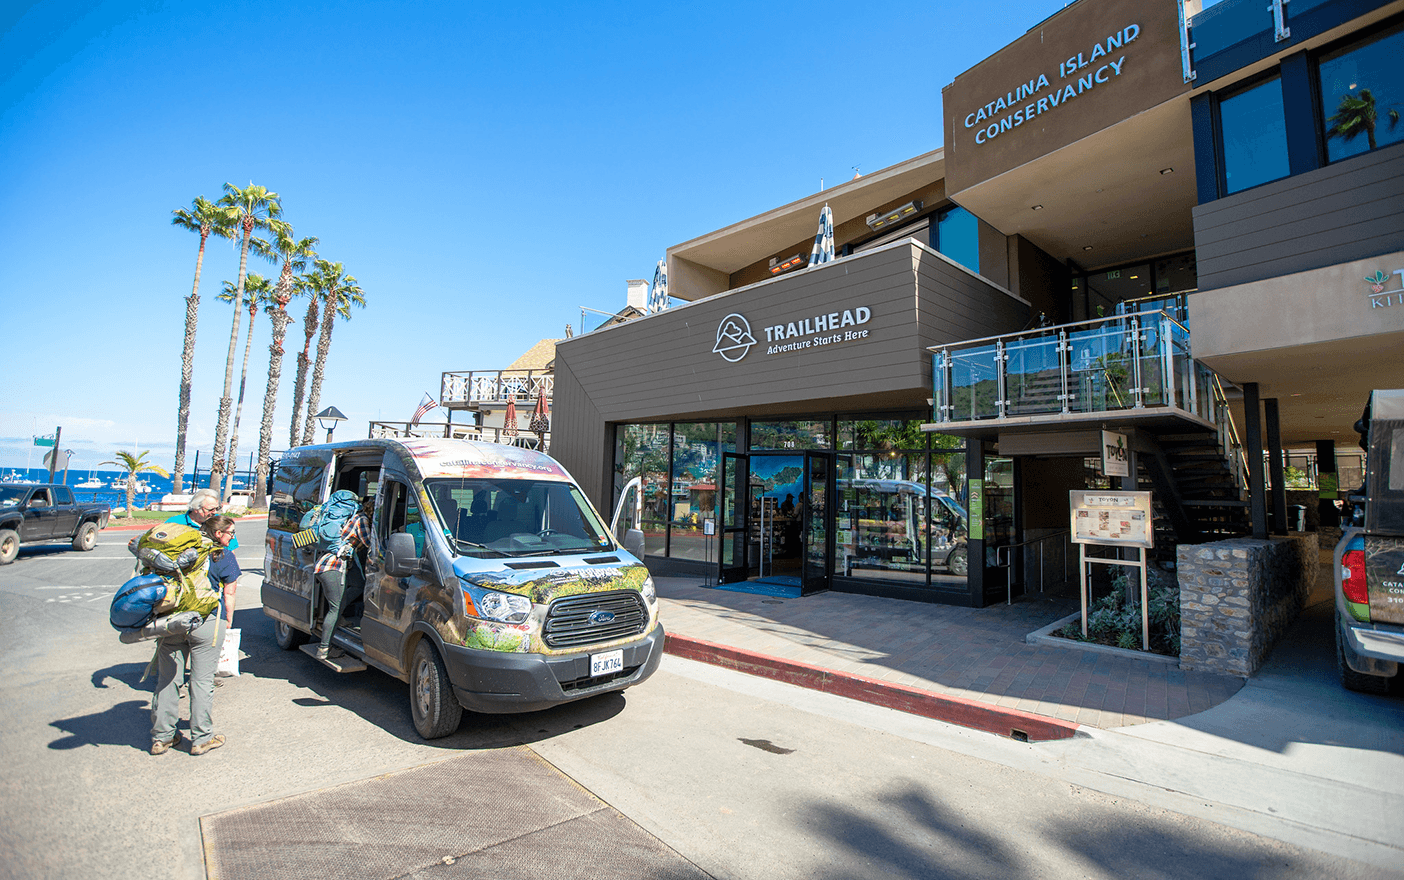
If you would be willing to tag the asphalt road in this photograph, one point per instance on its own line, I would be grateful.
(737, 777)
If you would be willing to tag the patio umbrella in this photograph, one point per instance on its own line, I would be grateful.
(823, 250)
(510, 428)
(658, 294)
(541, 418)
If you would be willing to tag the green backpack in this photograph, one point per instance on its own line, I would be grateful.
(181, 556)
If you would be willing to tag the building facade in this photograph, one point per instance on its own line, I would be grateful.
(1177, 226)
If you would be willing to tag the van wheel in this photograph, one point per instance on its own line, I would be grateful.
(958, 563)
(9, 546)
(436, 710)
(86, 539)
(287, 637)
(1357, 681)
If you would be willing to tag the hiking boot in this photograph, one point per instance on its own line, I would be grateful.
(329, 653)
(160, 748)
(213, 742)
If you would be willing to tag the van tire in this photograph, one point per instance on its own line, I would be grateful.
(287, 637)
(958, 563)
(435, 709)
(86, 539)
(9, 546)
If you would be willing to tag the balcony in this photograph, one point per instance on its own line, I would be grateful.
(478, 389)
(450, 430)
(1137, 366)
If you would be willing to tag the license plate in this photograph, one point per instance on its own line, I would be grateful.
(604, 664)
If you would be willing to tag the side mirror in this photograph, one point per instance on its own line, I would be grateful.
(634, 542)
(400, 558)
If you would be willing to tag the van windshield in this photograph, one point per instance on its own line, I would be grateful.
(517, 517)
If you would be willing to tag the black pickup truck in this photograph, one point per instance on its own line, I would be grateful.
(45, 514)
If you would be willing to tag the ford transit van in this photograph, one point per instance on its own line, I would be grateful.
(491, 583)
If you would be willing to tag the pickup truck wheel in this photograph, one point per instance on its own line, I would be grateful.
(435, 709)
(86, 539)
(286, 637)
(1357, 681)
(9, 546)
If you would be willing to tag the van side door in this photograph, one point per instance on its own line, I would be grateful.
(299, 484)
(388, 614)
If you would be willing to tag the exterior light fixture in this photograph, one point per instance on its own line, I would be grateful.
(1038, 207)
(1087, 247)
(887, 218)
(778, 265)
(328, 418)
(1167, 171)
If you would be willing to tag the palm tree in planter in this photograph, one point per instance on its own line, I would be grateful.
(254, 207)
(257, 291)
(133, 465)
(206, 218)
(338, 292)
(294, 252)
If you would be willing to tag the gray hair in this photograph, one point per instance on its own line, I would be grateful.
(199, 498)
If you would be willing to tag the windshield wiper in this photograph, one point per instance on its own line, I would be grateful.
(462, 543)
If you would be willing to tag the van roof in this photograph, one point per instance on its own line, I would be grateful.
(463, 459)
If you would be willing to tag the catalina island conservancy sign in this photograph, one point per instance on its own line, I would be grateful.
(734, 338)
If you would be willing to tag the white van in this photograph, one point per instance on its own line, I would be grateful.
(491, 583)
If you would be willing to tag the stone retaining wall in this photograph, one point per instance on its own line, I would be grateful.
(1237, 598)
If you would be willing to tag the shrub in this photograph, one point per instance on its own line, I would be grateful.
(1112, 620)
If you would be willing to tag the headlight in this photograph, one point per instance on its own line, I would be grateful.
(649, 593)
(492, 605)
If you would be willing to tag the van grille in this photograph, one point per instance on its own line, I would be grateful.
(568, 623)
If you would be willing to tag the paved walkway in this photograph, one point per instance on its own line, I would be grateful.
(970, 666)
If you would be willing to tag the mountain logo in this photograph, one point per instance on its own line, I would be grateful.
(734, 338)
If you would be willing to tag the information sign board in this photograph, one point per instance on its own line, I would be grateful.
(1111, 518)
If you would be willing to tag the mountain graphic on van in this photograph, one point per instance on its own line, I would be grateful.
(734, 338)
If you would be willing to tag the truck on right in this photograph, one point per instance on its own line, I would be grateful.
(1369, 560)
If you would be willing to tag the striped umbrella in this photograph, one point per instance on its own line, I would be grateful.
(510, 428)
(823, 250)
(658, 294)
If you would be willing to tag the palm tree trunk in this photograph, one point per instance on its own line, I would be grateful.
(309, 327)
(187, 369)
(270, 403)
(239, 412)
(222, 426)
(314, 397)
(131, 493)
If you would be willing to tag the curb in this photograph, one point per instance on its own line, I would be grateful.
(1012, 723)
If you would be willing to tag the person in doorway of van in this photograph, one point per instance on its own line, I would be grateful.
(341, 574)
(203, 505)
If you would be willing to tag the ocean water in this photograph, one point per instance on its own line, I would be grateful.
(110, 486)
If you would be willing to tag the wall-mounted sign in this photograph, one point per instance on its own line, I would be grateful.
(975, 527)
(734, 337)
(1116, 459)
(1115, 519)
(1384, 292)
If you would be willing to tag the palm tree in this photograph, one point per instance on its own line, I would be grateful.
(339, 292)
(253, 207)
(1357, 113)
(295, 253)
(206, 218)
(133, 465)
(257, 291)
(304, 359)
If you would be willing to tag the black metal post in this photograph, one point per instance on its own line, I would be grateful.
(1253, 439)
(1328, 480)
(1276, 471)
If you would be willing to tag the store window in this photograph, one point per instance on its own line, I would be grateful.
(799, 434)
(958, 237)
(1254, 133)
(697, 449)
(1362, 95)
(643, 451)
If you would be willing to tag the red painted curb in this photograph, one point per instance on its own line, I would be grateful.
(1012, 723)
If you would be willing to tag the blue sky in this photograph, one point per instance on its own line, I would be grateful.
(483, 170)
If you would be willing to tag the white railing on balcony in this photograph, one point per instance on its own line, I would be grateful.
(521, 438)
(495, 386)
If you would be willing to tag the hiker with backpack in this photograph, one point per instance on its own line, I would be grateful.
(203, 505)
(340, 571)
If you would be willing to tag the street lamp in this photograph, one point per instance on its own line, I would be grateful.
(328, 418)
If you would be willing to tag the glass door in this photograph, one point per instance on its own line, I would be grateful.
(735, 502)
(817, 522)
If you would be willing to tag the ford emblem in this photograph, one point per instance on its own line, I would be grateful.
(601, 617)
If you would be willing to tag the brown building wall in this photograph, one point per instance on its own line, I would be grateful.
(663, 367)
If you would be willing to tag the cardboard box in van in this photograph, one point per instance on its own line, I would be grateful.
(489, 581)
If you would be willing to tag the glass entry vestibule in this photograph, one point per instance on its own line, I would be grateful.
(775, 519)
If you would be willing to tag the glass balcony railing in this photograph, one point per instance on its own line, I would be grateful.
(1123, 363)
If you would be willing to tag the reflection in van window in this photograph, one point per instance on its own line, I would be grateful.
(516, 517)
